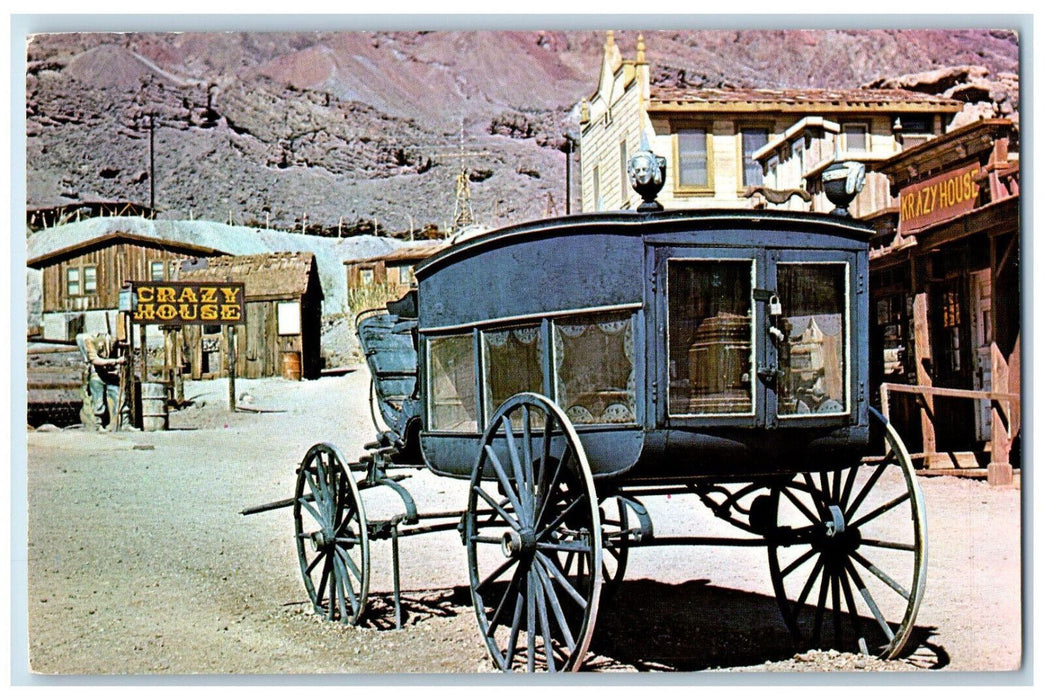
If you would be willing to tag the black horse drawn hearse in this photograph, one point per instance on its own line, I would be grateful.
(573, 368)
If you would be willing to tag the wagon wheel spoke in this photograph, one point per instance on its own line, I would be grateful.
(549, 515)
(817, 628)
(531, 630)
(540, 595)
(871, 603)
(853, 612)
(881, 510)
(556, 607)
(505, 483)
(505, 600)
(885, 578)
(615, 543)
(508, 518)
(866, 515)
(330, 528)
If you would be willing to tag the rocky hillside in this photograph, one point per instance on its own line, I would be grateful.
(363, 130)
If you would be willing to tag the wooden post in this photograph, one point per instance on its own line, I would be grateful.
(143, 368)
(168, 355)
(998, 471)
(923, 355)
(179, 362)
(232, 367)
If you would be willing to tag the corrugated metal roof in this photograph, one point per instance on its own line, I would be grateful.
(268, 276)
(661, 95)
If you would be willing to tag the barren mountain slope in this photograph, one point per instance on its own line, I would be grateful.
(362, 128)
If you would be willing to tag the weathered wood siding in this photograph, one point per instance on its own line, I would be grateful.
(115, 264)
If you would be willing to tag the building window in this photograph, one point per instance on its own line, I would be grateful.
(156, 271)
(72, 281)
(753, 139)
(288, 317)
(915, 129)
(772, 173)
(406, 275)
(692, 150)
(90, 279)
(798, 152)
(596, 187)
(366, 276)
(857, 137)
(625, 190)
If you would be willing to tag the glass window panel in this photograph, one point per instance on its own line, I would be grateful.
(625, 184)
(799, 158)
(366, 276)
(90, 280)
(916, 123)
(709, 316)
(513, 363)
(156, 271)
(594, 368)
(452, 383)
(855, 137)
(692, 158)
(753, 139)
(596, 186)
(72, 280)
(813, 358)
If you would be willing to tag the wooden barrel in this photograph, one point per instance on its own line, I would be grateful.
(292, 365)
(153, 406)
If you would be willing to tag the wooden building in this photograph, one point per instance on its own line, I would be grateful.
(945, 299)
(282, 334)
(389, 275)
(81, 282)
(712, 138)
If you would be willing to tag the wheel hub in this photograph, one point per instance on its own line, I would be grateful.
(322, 538)
(835, 535)
(835, 526)
(515, 543)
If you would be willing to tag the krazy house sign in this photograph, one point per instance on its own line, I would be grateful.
(938, 199)
(188, 303)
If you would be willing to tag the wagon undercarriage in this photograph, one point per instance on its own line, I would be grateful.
(845, 546)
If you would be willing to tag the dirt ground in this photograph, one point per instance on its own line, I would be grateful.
(140, 563)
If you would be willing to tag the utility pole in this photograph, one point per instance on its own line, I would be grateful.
(152, 164)
(463, 215)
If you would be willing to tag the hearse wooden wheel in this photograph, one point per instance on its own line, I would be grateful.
(534, 539)
(330, 528)
(615, 543)
(848, 556)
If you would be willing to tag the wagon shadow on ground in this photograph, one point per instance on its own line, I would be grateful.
(416, 606)
(693, 626)
(647, 625)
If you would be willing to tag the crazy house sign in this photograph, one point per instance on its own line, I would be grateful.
(937, 199)
(188, 303)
